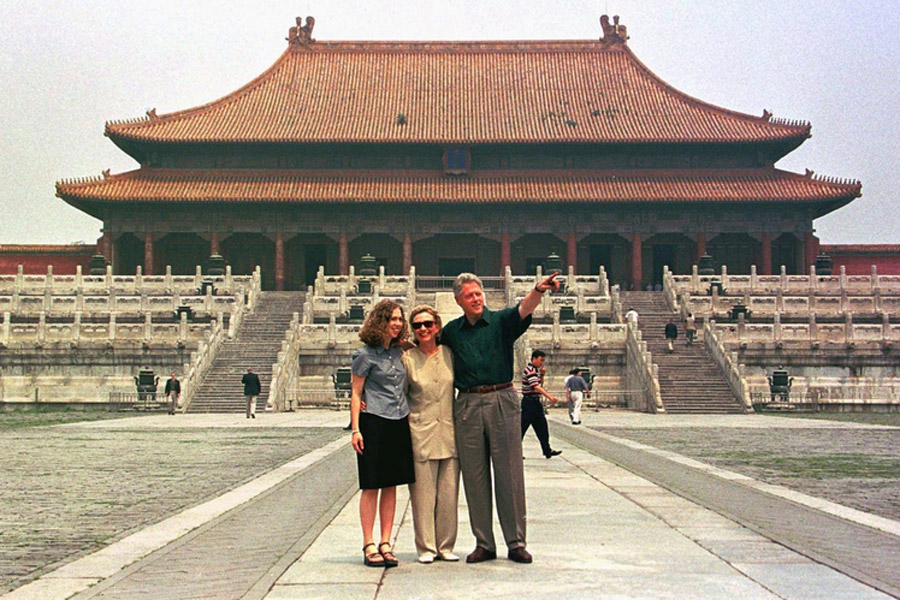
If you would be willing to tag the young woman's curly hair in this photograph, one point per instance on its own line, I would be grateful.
(376, 323)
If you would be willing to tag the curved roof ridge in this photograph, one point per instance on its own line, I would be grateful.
(766, 117)
(152, 118)
(491, 92)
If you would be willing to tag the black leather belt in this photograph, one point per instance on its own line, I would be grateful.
(485, 389)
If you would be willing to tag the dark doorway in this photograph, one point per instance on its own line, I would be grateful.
(314, 256)
(601, 255)
(451, 267)
(129, 254)
(663, 255)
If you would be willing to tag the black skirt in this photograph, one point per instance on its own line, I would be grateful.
(387, 458)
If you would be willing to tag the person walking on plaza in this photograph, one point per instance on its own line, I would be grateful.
(173, 392)
(671, 335)
(532, 408)
(379, 420)
(576, 389)
(429, 385)
(252, 387)
(487, 413)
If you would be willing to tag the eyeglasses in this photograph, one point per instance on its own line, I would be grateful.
(425, 324)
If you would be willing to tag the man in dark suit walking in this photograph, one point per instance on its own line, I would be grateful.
(252, 388)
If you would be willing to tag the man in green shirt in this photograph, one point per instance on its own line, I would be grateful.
(487, 412)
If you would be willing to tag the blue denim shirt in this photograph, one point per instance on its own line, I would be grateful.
(385, 389)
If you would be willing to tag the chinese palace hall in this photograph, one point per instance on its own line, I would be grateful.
(458, 156)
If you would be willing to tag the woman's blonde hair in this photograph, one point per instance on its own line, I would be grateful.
(424, 308)
(376, 323)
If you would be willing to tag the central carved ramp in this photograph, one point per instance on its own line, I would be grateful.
(690, 381)
(256, 345)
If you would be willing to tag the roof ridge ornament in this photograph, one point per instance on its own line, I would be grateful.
(613, 33)
(301, 34)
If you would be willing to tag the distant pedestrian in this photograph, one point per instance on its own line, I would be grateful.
(252, 387)
(568, 397)
(631, 315)
(690, 329)
(173, 392)
(532, 408)
(671, 334)
(576, 389)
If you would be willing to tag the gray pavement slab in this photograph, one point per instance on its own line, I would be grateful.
(589, 539)
(596, 530)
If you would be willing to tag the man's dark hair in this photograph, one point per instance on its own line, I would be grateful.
(538, 354)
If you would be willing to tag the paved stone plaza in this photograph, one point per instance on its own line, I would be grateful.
(208, 506)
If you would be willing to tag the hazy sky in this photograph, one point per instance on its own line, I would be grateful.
(68, 67)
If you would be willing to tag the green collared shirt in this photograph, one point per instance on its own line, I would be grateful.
(483, 352)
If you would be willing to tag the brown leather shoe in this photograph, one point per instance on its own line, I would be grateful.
(480, 555)
(519, 555)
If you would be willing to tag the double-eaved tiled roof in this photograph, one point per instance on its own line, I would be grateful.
(304, 187)
(457, 93)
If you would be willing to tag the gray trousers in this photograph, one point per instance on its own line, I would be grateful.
(489, 433)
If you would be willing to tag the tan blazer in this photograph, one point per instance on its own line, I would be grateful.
(429, 387)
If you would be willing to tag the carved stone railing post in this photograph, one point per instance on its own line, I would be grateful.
(42, 328)
(76, 328)
(198, 277)
(169, 283)
(182, 328)
(754, 278)
(555, 335)
(4, 334)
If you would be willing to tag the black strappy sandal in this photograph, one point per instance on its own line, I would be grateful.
(389, 559)
(372, 559)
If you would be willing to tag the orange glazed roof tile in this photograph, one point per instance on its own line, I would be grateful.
(303, 187)
(457, 93)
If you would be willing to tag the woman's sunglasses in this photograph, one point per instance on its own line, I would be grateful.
(425, 324)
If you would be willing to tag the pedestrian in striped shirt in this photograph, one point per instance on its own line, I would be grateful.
(532, 409)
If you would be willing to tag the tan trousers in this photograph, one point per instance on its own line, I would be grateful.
(435, 501)
(489, 433)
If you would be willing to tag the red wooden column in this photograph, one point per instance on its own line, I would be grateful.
(148, 253)
(636, 260)
(572, 251)
(407, 252)
(343, 254)
(701, 246)
(766, 254)
(279, 261)
(505, 254)
(214, 243)
(810, 249)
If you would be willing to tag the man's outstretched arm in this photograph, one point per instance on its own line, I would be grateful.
(533, 298)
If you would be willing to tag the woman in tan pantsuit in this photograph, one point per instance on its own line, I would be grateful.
(434, 495)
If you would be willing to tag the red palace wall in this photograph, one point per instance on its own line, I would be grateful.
(35, 258)
(858, 259)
